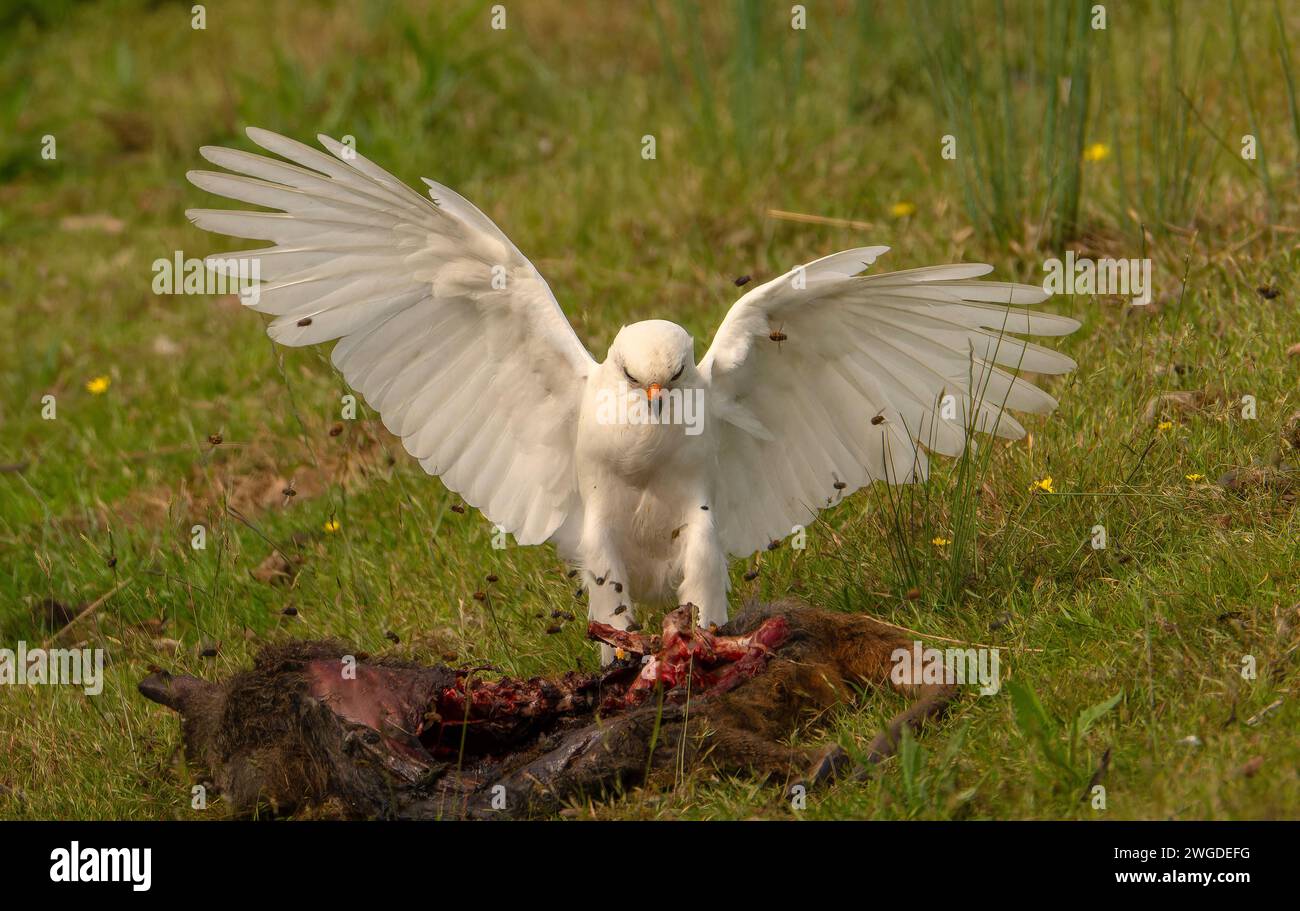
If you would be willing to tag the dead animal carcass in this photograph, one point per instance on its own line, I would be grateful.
(310, 727)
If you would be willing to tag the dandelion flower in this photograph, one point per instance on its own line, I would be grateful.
(1194, 477)
(1044, 485)
(940, 542)
(902, 209)
(98, 386)
(1097, 151)
(1165, 425)
(331, 526)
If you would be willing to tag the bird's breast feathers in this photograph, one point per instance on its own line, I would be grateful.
(621, 426)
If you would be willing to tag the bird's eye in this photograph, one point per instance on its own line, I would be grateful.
(630, 376)
(678, 373)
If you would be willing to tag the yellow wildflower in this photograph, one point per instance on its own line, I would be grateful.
(940, 542)
(1194, 477)
(1165, 425)
(1097, 151)
(902, 209)
(98, 386)
(1044, 485)
(332, 526)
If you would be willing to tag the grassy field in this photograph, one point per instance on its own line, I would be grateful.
(1124, 141)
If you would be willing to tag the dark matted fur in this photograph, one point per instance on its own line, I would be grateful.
(264, 741)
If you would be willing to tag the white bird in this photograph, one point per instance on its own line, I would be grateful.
(647, 471)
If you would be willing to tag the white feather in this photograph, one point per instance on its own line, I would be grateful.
(856, 347)
(407, 288)
(453, 336)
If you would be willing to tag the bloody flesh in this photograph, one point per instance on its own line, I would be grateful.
(466, 712)
(312, 724)
(690, 658)
(684, 659)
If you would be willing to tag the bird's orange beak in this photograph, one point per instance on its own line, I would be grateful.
(653, 391)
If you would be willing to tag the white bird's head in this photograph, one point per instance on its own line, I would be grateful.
(653, 355)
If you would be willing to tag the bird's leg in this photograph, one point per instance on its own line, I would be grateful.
(607, 604)
(704, 570)
(608, 598)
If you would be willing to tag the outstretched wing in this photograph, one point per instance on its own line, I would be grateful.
(444, 327)
(824, 380)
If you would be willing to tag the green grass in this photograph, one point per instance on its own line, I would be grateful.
(541, 125)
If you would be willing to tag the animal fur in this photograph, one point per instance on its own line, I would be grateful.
(277, 738)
